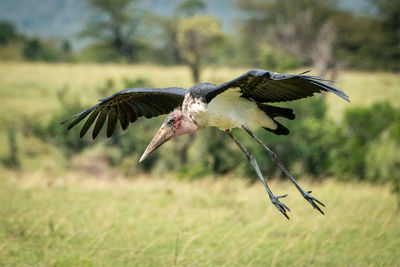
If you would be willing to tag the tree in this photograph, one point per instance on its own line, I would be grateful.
(355, 45)
(389, 13)
(189, 8)
(195, 37)
(168, 39)
(33, 50)
(389, 16)
(169, 26)
(114, 24)
(7, 33)
(304, 28)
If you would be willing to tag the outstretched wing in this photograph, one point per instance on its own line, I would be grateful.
(265, 86)
(126, 106)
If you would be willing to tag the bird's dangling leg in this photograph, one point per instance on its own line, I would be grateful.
(306, 194)
(274, 199)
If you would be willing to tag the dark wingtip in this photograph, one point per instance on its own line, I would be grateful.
(280, 130)
(109, 132)
(339, 93)
(70, 126)
(94, 135)
(304, 72)
(326, 87)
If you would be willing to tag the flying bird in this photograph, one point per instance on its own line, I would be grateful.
(239, 103)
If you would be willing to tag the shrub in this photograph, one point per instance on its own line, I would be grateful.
(53, 132)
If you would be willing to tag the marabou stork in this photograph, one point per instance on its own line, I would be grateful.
(237, 103)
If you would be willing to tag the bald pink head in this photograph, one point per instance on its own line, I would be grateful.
(176, 124)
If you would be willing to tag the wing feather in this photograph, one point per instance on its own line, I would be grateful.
(149, 111)
(89, 122)
(132, 116)
(135, 105)
(154, 108)
(265, 86)
(123, 116)
(78, 119)
(112, 121)
(101, 119)
(127, 106)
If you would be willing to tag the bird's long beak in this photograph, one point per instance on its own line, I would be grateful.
(164, 134)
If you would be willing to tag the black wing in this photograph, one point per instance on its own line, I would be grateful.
(265, 86)
(127, 105)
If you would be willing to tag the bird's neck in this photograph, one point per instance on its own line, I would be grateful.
(196, 109)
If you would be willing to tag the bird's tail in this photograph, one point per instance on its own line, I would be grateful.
(273, 112)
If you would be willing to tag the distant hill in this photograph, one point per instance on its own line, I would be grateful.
(45, 18)
(65, 18)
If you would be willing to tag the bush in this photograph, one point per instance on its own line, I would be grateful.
(361, 128)
(13, 159)
(278, 60)
(37, 50)
(7, 33)
(55, 133)
(366, 124)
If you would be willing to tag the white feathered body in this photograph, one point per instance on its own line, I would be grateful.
(228, 110)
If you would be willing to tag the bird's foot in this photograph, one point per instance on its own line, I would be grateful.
(279, 205)
(313, 201)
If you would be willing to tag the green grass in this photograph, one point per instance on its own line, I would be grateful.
(164, 222)
(365, 88)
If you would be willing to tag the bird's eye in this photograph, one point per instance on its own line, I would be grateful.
(171, 121)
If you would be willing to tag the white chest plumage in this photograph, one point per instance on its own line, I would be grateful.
(229, 110)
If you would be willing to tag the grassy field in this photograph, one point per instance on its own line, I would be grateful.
(149, 221)
(56, 218)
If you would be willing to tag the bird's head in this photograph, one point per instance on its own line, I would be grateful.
(177, 123)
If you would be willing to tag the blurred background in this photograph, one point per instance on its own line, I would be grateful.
(196, 201)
